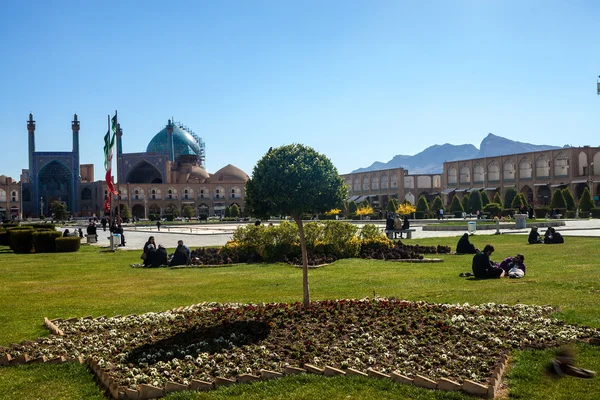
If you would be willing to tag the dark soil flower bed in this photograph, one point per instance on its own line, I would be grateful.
(434, 340)
(213, 256)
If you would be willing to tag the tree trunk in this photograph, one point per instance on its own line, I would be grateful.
(304, 261)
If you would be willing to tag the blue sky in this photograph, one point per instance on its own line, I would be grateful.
(360, 81)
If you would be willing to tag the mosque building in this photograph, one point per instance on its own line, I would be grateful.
(170, 174)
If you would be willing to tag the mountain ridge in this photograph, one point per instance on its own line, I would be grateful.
(431, 160)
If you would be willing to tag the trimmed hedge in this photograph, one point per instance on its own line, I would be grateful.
(40, 227)
(540, 212)
(4, 238)
(458, 214)
(21, 239)
(67, 244)
(595, 212)
(44, 241)
(508, 212)
(571, 214)
(582, 214)
(419, 214)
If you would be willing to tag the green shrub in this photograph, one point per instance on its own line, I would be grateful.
(509, 196)
(67, 244)
(422, 204)
(21, 239)
(4, 238)
(456, 206)
(540, 212)
(492, 209)
(595, 212)
(458, 214)
(571, 214)
(376, 243)
(371, 231)
(44, 241)
(585, 202)
(419, 214)
(40, 227)
(582, 214)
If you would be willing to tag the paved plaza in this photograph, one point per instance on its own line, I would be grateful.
(198, 235)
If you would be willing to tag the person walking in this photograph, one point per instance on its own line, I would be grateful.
(158, 224)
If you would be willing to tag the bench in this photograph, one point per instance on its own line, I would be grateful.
(92, 238)
(392, 233)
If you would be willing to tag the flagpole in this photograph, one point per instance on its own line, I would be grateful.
(117, 170)
(108, 187)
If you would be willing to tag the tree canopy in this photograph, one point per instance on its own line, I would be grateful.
(295, 180)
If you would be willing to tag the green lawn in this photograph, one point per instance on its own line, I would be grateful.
(93, 282)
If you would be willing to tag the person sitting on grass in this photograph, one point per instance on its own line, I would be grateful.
(534, 236)
(553, 237)
(161, 257)
(149, 253)
(514, 267)
(483, 267)
(181, 255)
(464, 246)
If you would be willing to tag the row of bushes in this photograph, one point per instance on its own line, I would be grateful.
(324, 240)
(39, 238)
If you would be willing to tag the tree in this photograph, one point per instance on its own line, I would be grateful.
(405, 208)
(475, 202)
(485, 199)
(188, 211)
(498, 199)
(227, 212)
(172, 209)
(59, 210)
(392, 205)
(352, 207)
(518, 201)
(364, 210)
(585, 202)
(456, 205)
(422, 204)
(437, 203)
(125, 212)
(569, 199)
(234, 211)
(509, 196)
(558, 200)
(295, 180)
(465, 203)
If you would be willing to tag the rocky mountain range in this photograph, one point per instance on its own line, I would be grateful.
(431, 160)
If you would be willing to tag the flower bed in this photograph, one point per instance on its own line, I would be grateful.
(210, 341)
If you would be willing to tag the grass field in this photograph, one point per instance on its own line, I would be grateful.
(94, 282)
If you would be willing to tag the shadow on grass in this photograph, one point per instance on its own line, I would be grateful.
(211, 339)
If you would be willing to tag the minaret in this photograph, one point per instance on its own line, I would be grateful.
(119, 140)
(170, 141)
(31, 130)
(75, 128)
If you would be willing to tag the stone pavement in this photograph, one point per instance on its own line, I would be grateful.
(219, 234)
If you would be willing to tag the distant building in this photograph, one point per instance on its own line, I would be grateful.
(536, 174)
(381, 186)
(169, 174)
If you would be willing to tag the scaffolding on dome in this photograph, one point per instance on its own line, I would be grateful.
(202, 156)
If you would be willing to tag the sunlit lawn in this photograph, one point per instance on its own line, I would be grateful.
(93, 282)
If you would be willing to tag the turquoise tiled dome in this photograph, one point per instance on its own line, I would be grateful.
(183, 143)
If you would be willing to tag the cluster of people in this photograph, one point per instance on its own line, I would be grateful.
(484, 268)
(550, 236)
(393, 222)
(155, 256)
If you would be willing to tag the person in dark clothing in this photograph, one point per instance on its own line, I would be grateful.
(406, 223)
(553, 237)
(483, 267)
(181, 255)
(91, 229)
(66, 233)
(509, 263)
(534, 236)
(257, 223)
(120, 231)
(464, 246)
(530, 211)
(104, 222)
(80, 233)
(149, 252)
(161, 256)
(158, 225)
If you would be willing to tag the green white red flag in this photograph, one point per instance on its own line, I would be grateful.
(109, 143)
